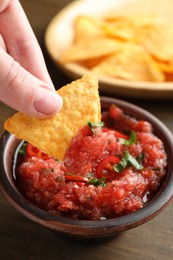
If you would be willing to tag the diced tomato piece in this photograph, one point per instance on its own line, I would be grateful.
(115, 112)
(120, 135)
(116, 133)
(86, 131)
(105, 167)
(34, 151)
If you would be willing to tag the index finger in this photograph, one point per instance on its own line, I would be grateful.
(20, 40)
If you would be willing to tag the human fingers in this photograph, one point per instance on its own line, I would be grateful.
(24, 92)
(2, 43)
(20, 40)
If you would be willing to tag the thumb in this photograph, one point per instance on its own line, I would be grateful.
(24, 92)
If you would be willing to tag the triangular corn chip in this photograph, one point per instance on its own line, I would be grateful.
(81, 104)
(132, 63)
(157, 40)
(94, 47)
(87, 27)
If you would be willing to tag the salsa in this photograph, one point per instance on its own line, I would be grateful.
(110, 169)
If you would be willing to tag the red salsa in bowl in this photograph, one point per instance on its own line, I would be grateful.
(111, 168)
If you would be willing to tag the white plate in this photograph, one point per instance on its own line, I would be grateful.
(59, 35)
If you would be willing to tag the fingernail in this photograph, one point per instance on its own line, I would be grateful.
(47, 102)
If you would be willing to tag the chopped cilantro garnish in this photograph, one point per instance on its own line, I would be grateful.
(92, 126)
(132, 139)
(127, 159)
(140, 158)
(47, 170)
(134, 162)
(98, 182)
(156, 169)
(122, 164)
(57, 160)
(70, 174)
(22, 149)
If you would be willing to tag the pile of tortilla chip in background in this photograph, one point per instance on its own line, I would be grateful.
(133, 48)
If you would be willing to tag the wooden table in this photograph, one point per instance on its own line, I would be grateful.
(21, 238)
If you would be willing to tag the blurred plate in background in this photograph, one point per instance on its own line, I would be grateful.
(60, 32)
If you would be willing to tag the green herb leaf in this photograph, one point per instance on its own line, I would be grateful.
(92, 126)
(122, 164)
(97, 182)
(57, 160)
(156, 169)
(125, 161)
(132, 139)
(70, 174)
(140, 158)
(47, 170)
(22, 149)
(134, 162)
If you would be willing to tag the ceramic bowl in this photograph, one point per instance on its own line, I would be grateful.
(89, 229)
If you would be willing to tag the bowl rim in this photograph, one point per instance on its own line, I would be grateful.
(152, 208)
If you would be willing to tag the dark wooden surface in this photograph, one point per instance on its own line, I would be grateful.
(21, 238)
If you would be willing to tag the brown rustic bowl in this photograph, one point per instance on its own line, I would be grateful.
(89, 229)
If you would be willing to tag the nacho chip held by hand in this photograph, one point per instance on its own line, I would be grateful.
(81, 104)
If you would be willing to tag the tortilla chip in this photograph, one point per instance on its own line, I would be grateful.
(99, 41)
(138, 19)
(126, 27)
(132, 63)
(81, 104)
(165, 67)
(90, 41)
(94, 47)
(87, 26)
(123, 30)
(168, 76)
(157, 40)
(90, 63)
